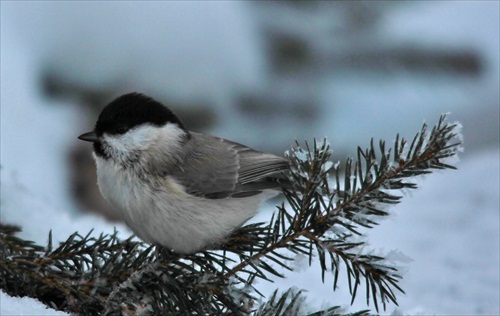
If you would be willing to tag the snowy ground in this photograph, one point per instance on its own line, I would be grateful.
(449, 227)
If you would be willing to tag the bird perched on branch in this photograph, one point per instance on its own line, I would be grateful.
(173, 187)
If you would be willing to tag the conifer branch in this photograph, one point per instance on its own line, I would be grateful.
(350, 205)
(323, 215)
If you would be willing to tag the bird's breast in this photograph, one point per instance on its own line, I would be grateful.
(159, 210)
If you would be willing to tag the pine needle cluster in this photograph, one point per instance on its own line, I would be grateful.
(321, 218)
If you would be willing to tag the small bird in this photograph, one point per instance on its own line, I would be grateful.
(173, 187)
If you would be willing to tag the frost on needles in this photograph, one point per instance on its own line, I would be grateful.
(321, 219)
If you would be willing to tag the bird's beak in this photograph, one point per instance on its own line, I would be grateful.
(89, 137)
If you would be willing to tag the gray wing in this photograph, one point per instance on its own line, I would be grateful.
(217, 168)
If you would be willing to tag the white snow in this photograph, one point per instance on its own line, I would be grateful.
(449, 227)
(17, 306)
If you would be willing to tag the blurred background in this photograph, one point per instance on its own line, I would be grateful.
(260, 73)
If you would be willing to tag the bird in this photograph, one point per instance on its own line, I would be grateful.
(173, 187)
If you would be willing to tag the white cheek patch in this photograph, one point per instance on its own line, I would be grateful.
(141, 138)
(124, 146)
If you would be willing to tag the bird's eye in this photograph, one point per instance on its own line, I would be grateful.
(121, 129)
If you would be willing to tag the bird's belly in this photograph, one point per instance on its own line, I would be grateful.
(172, 218)
(187, 225)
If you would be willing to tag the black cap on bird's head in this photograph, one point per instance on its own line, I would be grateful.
(128, 111)
(131, 110)
(125, 113)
